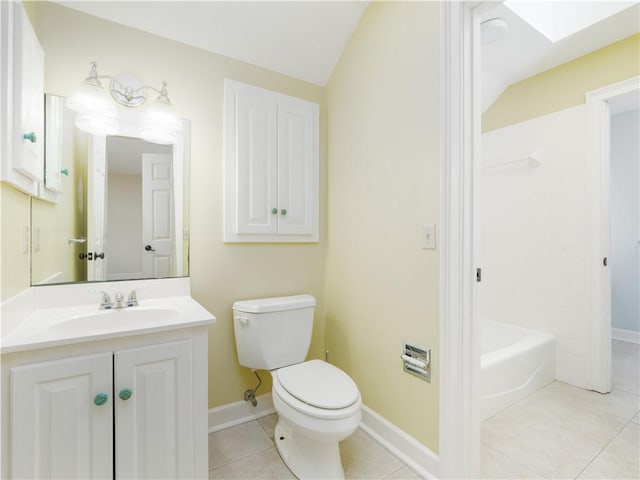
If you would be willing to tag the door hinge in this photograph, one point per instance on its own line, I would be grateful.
(604, 261)
(478, 275)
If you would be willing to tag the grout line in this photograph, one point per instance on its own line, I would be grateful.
(241, 458)
(602, 449)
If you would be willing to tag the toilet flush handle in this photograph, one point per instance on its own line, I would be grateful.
(243, 320)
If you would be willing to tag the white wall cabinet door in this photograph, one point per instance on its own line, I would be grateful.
(271, 166)
(61, 427)
(22, 100)
(154, 426)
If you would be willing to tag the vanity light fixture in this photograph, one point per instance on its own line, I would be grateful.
(97, 112)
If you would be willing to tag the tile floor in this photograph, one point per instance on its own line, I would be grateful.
(247, 451)
(558, 432)
(562, 431)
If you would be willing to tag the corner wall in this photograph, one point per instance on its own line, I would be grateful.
(383, 107)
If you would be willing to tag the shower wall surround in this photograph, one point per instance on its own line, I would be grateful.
(534, 233)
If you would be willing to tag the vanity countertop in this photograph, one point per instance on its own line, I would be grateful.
(52, 316)
(52, 327)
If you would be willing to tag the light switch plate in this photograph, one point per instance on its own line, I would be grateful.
(428, 236)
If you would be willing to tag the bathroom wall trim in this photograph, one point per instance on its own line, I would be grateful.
(625, 335)
(418, 457)
(236, 413)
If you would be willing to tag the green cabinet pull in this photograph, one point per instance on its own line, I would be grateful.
(283, 211)
(31, 136)
(101, 399)
(125, 394)
(274, 211)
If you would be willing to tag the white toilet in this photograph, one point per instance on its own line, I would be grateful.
(318, 404)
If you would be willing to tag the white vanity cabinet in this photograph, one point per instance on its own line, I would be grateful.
(271, 166)
(137, 405)
(21, 100)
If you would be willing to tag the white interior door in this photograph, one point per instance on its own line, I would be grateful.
(158, 232)
(96, 208)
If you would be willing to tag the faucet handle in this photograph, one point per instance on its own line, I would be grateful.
(105, 303)
(132, 301)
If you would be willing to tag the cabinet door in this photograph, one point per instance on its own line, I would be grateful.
(154, 426)
(251, 180)
(21, 100)
(57, 429)
(297, 167)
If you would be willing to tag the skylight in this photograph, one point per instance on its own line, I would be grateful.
(559, 19)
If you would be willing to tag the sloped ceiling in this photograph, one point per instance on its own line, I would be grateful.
(304, 39)
(301, 39)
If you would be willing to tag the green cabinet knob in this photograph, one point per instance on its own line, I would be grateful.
(101, 399)
(283, 211)
(125, 394)
(31, 136)
(274, 211)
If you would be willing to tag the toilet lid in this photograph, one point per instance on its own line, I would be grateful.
(319, 384)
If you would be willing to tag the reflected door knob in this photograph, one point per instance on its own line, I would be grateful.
(149, 248)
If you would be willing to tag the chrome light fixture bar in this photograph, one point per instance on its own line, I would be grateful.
(97, 112)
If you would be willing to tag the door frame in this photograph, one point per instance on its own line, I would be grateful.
(599, 277)
(460, 110)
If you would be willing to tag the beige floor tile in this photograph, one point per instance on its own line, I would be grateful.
(621, 458)
(625, 361)
(237, 442)
(555, 431)
(268, 424)
(363, 457)
(495, 464)
(405, 473)
(264, 465)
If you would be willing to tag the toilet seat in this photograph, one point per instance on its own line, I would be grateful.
(317, 389)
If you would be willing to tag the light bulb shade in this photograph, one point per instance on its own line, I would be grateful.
(91, 99)
(160, 123)
(161, 114)
(96, 124)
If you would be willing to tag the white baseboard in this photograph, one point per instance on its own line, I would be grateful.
(235, 413)
(625, 335)
(418, 457)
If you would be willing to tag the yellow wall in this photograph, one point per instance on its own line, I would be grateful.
(381, 288)
(220, 273)
(565, 85)
(14, 263)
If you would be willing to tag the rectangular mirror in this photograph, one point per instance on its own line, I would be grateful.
(123, 209)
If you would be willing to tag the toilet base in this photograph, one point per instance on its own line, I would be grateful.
(308, 458)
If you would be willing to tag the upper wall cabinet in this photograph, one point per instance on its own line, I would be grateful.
(21, 100)
(271, 166)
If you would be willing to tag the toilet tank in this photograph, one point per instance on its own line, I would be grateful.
(273, 332)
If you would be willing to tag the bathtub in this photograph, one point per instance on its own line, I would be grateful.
(515, 362)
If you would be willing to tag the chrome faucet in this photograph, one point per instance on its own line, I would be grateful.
(105, 302)
(118, 301)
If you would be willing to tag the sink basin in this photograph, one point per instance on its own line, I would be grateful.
(125, 319)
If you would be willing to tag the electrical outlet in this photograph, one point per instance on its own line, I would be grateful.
(428, 236)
